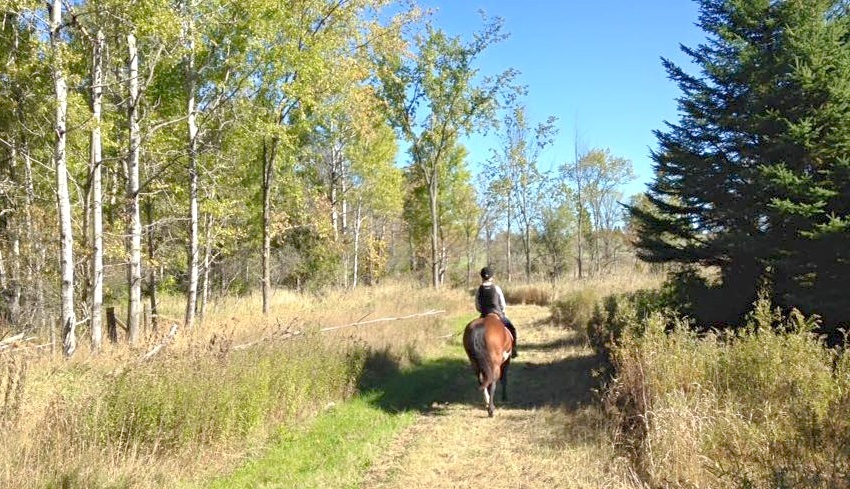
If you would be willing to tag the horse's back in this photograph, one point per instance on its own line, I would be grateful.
(497, 333)
(488, 333)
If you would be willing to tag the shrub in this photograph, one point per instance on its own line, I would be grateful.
(618, 314)
(576, 308)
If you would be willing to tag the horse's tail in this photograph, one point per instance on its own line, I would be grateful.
(475, 343)
(488, 376)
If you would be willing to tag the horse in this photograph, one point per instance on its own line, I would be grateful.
(488, 344)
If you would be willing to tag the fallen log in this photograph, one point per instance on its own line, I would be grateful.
(380, 320)
(162, 344)
(11, 339)
(16, 342)
(280, 336)
(287, 333)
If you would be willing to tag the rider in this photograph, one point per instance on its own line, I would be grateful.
(489, 298)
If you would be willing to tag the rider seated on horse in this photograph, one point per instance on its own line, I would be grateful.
(489, 298)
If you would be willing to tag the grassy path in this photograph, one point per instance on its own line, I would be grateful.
(426, 427)
(549, 433)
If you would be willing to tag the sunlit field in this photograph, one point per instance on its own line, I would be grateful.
(756, 409)
(212, 393)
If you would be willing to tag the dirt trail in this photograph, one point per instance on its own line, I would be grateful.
(549, 434)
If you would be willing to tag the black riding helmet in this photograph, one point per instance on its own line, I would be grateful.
(486, 273)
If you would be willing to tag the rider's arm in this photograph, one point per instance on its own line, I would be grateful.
(478, 300)
(501, 298)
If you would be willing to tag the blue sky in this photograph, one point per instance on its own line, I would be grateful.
(593, 64)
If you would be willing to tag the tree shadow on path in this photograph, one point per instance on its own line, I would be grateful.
(567, 382)
(564, 342)
(419, 386)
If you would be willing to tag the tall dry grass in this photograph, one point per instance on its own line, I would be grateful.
(109, 420)
(575, 302)
(759, 408)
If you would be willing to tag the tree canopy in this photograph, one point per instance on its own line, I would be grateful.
(203, 148)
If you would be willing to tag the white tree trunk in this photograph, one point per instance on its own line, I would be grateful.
(335, 177)
(192, 289)
(344, 187)
(3, 283)
(357, 225)
(67, 317)
(580, 215)
(527, 242)
(205, 290)
(268, 174)
(508, 243)
(345, 231)
(97, 195)
(433, 194)
(134, 271)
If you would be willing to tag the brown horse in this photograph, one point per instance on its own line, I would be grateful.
(488, 344)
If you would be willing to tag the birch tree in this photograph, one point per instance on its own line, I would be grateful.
(434, 100)
(95, 169)
(149, 37)
(67, 316)
(192, 166)
(134, 227)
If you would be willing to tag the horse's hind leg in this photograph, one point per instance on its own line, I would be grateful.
(491, 406)
(504, 381)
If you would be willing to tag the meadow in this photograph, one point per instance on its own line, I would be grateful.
(297, 396)
(214, 394)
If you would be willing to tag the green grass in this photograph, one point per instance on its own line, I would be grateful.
(335, 449)
(332, 451)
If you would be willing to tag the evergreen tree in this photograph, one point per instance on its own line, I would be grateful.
(753, 179)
